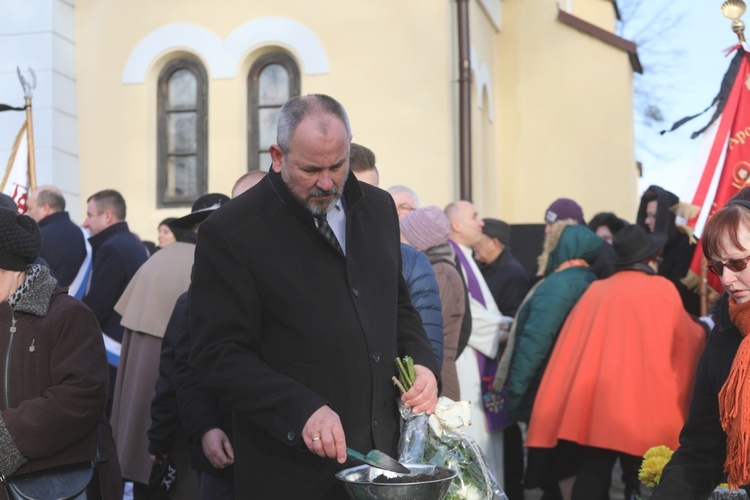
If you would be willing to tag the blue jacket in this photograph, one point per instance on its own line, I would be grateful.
(425, 295)
(63, 246)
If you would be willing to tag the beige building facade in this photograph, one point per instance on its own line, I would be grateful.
(551, 99)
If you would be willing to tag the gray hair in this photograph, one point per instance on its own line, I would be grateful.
(49, 195)
(403, 189)
(297, 109)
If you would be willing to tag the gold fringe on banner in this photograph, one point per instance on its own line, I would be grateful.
(686, 211)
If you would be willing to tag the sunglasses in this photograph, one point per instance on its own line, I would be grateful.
(736, 265)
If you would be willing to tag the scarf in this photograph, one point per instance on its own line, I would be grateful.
(31, 274)
(572, 263)
(734, 402)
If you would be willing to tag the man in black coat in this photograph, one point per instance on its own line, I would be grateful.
(63, 243)
(297, 321)
(116, 256)
(505, 276)
(509, 283)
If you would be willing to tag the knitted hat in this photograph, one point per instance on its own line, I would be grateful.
(426, 227)
(497, 229)
(564, 208)
(20, 240)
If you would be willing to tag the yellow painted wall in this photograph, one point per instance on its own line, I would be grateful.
(390, 65)
(562, 100)
(566, 129)
(485, 178)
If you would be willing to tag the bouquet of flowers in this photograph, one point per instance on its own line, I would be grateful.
(657, 457)
(437, 439)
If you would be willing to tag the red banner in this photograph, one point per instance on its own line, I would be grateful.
(732, 141)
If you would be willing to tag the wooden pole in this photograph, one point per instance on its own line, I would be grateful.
(32, 158)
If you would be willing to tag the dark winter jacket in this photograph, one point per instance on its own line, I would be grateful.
(678, 251)
(55, 370)
(508, 282)
(282, 324)
(697, 467)
(425, 295)
(116, 256)
(539, 320)
(63, 246)
(181, 406)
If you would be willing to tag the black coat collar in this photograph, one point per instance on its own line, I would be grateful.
(98, 239)
(351, 198)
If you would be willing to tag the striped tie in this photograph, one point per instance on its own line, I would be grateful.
(326, 231)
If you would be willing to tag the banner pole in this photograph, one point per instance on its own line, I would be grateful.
(32, 158)
(28, 82)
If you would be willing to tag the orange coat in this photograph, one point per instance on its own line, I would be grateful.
(621, 373)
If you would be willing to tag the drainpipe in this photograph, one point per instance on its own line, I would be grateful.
(464, 100)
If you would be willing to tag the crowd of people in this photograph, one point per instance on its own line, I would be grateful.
(244, 354)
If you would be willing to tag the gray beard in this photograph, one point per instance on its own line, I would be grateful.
(312, 207)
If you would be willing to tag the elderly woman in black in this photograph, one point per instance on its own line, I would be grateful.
(53, 369)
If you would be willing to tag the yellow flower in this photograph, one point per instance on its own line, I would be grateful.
(653, 464)
(659, 451)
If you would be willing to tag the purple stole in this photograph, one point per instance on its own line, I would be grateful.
(494, 403)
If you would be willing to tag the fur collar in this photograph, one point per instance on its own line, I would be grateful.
(37, 298)
(441, 253)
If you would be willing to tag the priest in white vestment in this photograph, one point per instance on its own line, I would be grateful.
(488, 329)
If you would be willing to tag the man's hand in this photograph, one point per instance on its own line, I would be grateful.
(422, 397)
(324, 435)
(217, 448)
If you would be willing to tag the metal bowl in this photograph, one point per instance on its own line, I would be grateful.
(359, 485)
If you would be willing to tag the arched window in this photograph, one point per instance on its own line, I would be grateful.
(273, 79)
(182, 173)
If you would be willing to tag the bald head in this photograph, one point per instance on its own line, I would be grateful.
(466, 226)
(246, 181)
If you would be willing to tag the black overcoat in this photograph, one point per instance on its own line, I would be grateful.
(283, 324)
(697, 466)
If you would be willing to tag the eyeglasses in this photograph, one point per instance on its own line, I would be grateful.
(735, 265)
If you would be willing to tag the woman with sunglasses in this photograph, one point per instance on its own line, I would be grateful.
(715, 441)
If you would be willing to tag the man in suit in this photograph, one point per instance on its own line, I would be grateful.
(298, 310)
(509, 283)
